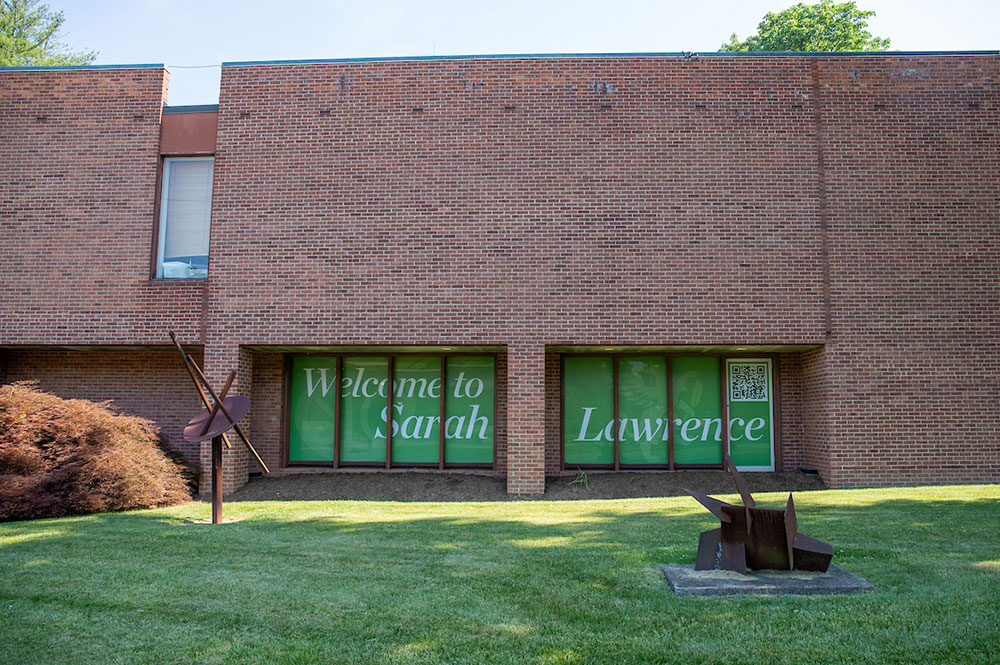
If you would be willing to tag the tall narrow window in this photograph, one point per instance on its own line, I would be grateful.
(185, 214)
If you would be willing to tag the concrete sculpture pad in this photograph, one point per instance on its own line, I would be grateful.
(686, 580)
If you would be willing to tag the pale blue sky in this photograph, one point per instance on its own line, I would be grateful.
(208, 32)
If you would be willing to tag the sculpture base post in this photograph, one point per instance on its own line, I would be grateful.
(216, 479)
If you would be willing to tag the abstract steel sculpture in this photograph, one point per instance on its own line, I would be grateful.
(214, 421)
(756, 538)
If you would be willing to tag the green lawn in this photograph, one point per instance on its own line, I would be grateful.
(513, 582)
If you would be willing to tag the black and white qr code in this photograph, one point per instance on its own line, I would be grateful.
(748, 382)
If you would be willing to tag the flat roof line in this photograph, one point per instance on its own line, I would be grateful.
(665, 54)
(158, 65)
(191, 108)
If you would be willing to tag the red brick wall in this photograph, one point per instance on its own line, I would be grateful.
(843, 201)
(344, 213)
(151, 384)
(816, 412)
(267, 401)
(789, 389)
(78, 165)
(519, 203)
(500, 417)
(911, 154)
(553, 413)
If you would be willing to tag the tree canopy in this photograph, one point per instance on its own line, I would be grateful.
(821, 27)
(30, 36)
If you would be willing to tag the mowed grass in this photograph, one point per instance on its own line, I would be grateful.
(515, 582)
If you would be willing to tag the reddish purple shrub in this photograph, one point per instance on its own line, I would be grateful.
(72, 457)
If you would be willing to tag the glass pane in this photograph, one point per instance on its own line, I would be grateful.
(187, 211)
(750, 413)
(416, 407)
(697, 411)
(469, 410)
(312, 409)
(588, 410)
(363, 409)
(642, 410)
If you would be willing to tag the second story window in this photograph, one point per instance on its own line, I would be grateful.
(185, 216)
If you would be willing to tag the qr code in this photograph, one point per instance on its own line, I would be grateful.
(748, 382)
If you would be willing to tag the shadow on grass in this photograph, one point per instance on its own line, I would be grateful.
(374, 582)
(436, 486)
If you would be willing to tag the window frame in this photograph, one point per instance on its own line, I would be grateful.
(774, 360)
(160, 231)
(336, 464)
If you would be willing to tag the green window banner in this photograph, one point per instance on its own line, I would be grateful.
(363, 408)
(313, 401)
(644, 425)
(697, 426)
(469, 405)
(416, 405)
(588, 398)
(643, 430)
(417, 393)
(751, 436)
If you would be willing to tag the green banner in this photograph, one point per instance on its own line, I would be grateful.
(588, 399)
(469, 395)
(416, 406)
(469, 399)
(750, 435)
(363, 409)
(642, 410)
(313, 401)
(697, 426)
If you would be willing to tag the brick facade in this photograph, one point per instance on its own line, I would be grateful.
(847, 204)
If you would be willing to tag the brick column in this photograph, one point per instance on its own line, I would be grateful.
(219, 361)
(526, 419)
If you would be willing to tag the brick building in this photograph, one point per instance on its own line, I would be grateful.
(535, 264)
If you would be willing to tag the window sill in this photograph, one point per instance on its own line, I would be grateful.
(156, 281)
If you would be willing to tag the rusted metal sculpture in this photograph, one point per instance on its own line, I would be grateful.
(214, 421)
(756, 538)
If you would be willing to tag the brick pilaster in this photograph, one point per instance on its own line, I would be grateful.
(526, 419)
(219, 361)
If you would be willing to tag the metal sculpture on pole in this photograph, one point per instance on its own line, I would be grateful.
(214, 421)
(756, 538)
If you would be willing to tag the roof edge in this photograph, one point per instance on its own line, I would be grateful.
(191, 108)
(665, 54)
(55, 68)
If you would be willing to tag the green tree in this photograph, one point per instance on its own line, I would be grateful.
(822, 27)
(29, 36)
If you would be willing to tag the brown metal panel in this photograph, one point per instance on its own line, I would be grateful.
(713, 505)
(709, 543)
(811, 554)
(791, 528)
(188, 133)
(616, 426)
(388, 417)
(441, 432)
(670, 412)
(336, 412)
(766, 544)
